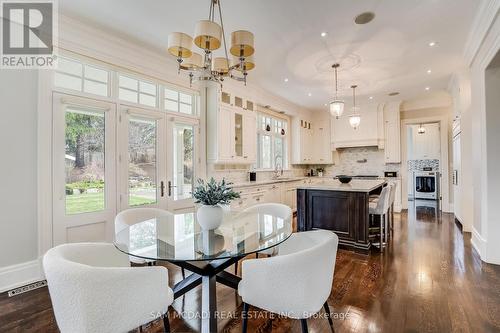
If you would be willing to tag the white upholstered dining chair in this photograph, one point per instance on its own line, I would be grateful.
(380, 208)
(93, 289)
(296, 282)
(132, 216)
(276, 209)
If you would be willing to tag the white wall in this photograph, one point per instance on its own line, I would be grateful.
(479, 125)
(18, 166)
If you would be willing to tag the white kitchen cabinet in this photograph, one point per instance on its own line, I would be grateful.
(231, 130)
(367, 134)
(303, 150)
(392, 133)
(322, 146)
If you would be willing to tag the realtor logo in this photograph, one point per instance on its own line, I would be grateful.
(28, 34)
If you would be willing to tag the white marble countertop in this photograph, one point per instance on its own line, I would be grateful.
(356, 185)
(268, 181)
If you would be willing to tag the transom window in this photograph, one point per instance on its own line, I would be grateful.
(272, 135)
(74, 75)
(137, 91)
(176, 101)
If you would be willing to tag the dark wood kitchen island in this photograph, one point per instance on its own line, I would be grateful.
(342, 208)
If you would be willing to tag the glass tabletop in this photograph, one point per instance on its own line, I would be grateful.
(180, 238)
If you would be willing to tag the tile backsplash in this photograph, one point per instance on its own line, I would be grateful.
(419, 165)
(239, 174)
(361, 161)
(351, 161)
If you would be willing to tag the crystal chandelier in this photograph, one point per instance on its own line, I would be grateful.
(354, 118)
(210, 36)
(337, 106)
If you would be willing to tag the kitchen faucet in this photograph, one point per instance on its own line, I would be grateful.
(278, 168)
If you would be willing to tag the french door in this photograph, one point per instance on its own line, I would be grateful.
(84, 177)
(141, 158)
(108, 158)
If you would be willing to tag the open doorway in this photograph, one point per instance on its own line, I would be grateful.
(423, 148)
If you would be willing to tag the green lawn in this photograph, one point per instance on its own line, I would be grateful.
(92, 202)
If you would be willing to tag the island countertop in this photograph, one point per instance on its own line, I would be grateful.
(355, 185)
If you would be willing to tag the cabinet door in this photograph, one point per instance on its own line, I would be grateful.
(238, 138)
(226, 136)
(249, 138)
(392, 152)
(321, 143)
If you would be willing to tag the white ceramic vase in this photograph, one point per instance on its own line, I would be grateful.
(210, 217)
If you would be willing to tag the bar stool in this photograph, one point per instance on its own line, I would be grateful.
(392, 198)
(380, 208)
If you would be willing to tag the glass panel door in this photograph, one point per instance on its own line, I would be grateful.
(142, 171)
(141, 159)
(84, 178)
(182, 162)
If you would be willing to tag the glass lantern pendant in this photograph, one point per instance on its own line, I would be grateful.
(355, 118)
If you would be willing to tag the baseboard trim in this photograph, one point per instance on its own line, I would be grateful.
(478, 243)
(20, 275)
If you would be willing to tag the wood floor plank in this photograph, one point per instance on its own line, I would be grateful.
(429, 279)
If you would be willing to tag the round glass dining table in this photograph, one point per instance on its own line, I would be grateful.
(179, 239)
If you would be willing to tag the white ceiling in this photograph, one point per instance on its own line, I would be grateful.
(389, 54)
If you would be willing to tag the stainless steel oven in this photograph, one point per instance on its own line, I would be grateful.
(426, 185)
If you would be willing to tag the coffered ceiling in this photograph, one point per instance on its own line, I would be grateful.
(389, 54)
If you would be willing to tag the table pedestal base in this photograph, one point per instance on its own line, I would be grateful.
(207, 273)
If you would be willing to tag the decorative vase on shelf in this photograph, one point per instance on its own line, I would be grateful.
(210, 217)
(212, 196)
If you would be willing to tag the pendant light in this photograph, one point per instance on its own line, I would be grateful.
(337, 106)
(354, 118)
(421, 129)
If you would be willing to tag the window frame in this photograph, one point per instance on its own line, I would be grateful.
(274, 134)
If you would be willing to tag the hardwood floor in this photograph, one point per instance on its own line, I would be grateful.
(428, 280)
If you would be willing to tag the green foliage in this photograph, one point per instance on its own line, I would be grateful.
(84, 185)
(214, 193)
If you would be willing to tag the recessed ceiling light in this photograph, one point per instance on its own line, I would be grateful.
(432, 43)
(371, 97)
(427, 88)
(364, 18)
(326, 104)
(323, 34)
(309, 94)
(395, 93)
(286, 80)
(429, 71)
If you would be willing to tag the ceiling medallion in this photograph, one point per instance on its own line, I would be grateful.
(210, 36)
(354, 118)
(336, 106)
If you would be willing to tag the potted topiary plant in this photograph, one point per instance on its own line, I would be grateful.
(212, 195)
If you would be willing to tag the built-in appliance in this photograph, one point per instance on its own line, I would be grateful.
(426, 185)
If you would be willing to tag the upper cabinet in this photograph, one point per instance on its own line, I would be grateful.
(311, 142)
(367, 134)
(392, 132)
(231, 127)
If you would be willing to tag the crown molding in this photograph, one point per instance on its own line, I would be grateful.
(486, 15)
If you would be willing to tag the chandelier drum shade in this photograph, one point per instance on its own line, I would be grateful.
(354, 118)
(209, 36)
(179, 44)
(242, 43)
(336, 106)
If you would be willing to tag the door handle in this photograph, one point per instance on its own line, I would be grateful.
(162, 188)
(170, 186)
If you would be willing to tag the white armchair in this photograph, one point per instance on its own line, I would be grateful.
(276, 209)
(94, 289)
(297, 282)
(132, 216)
